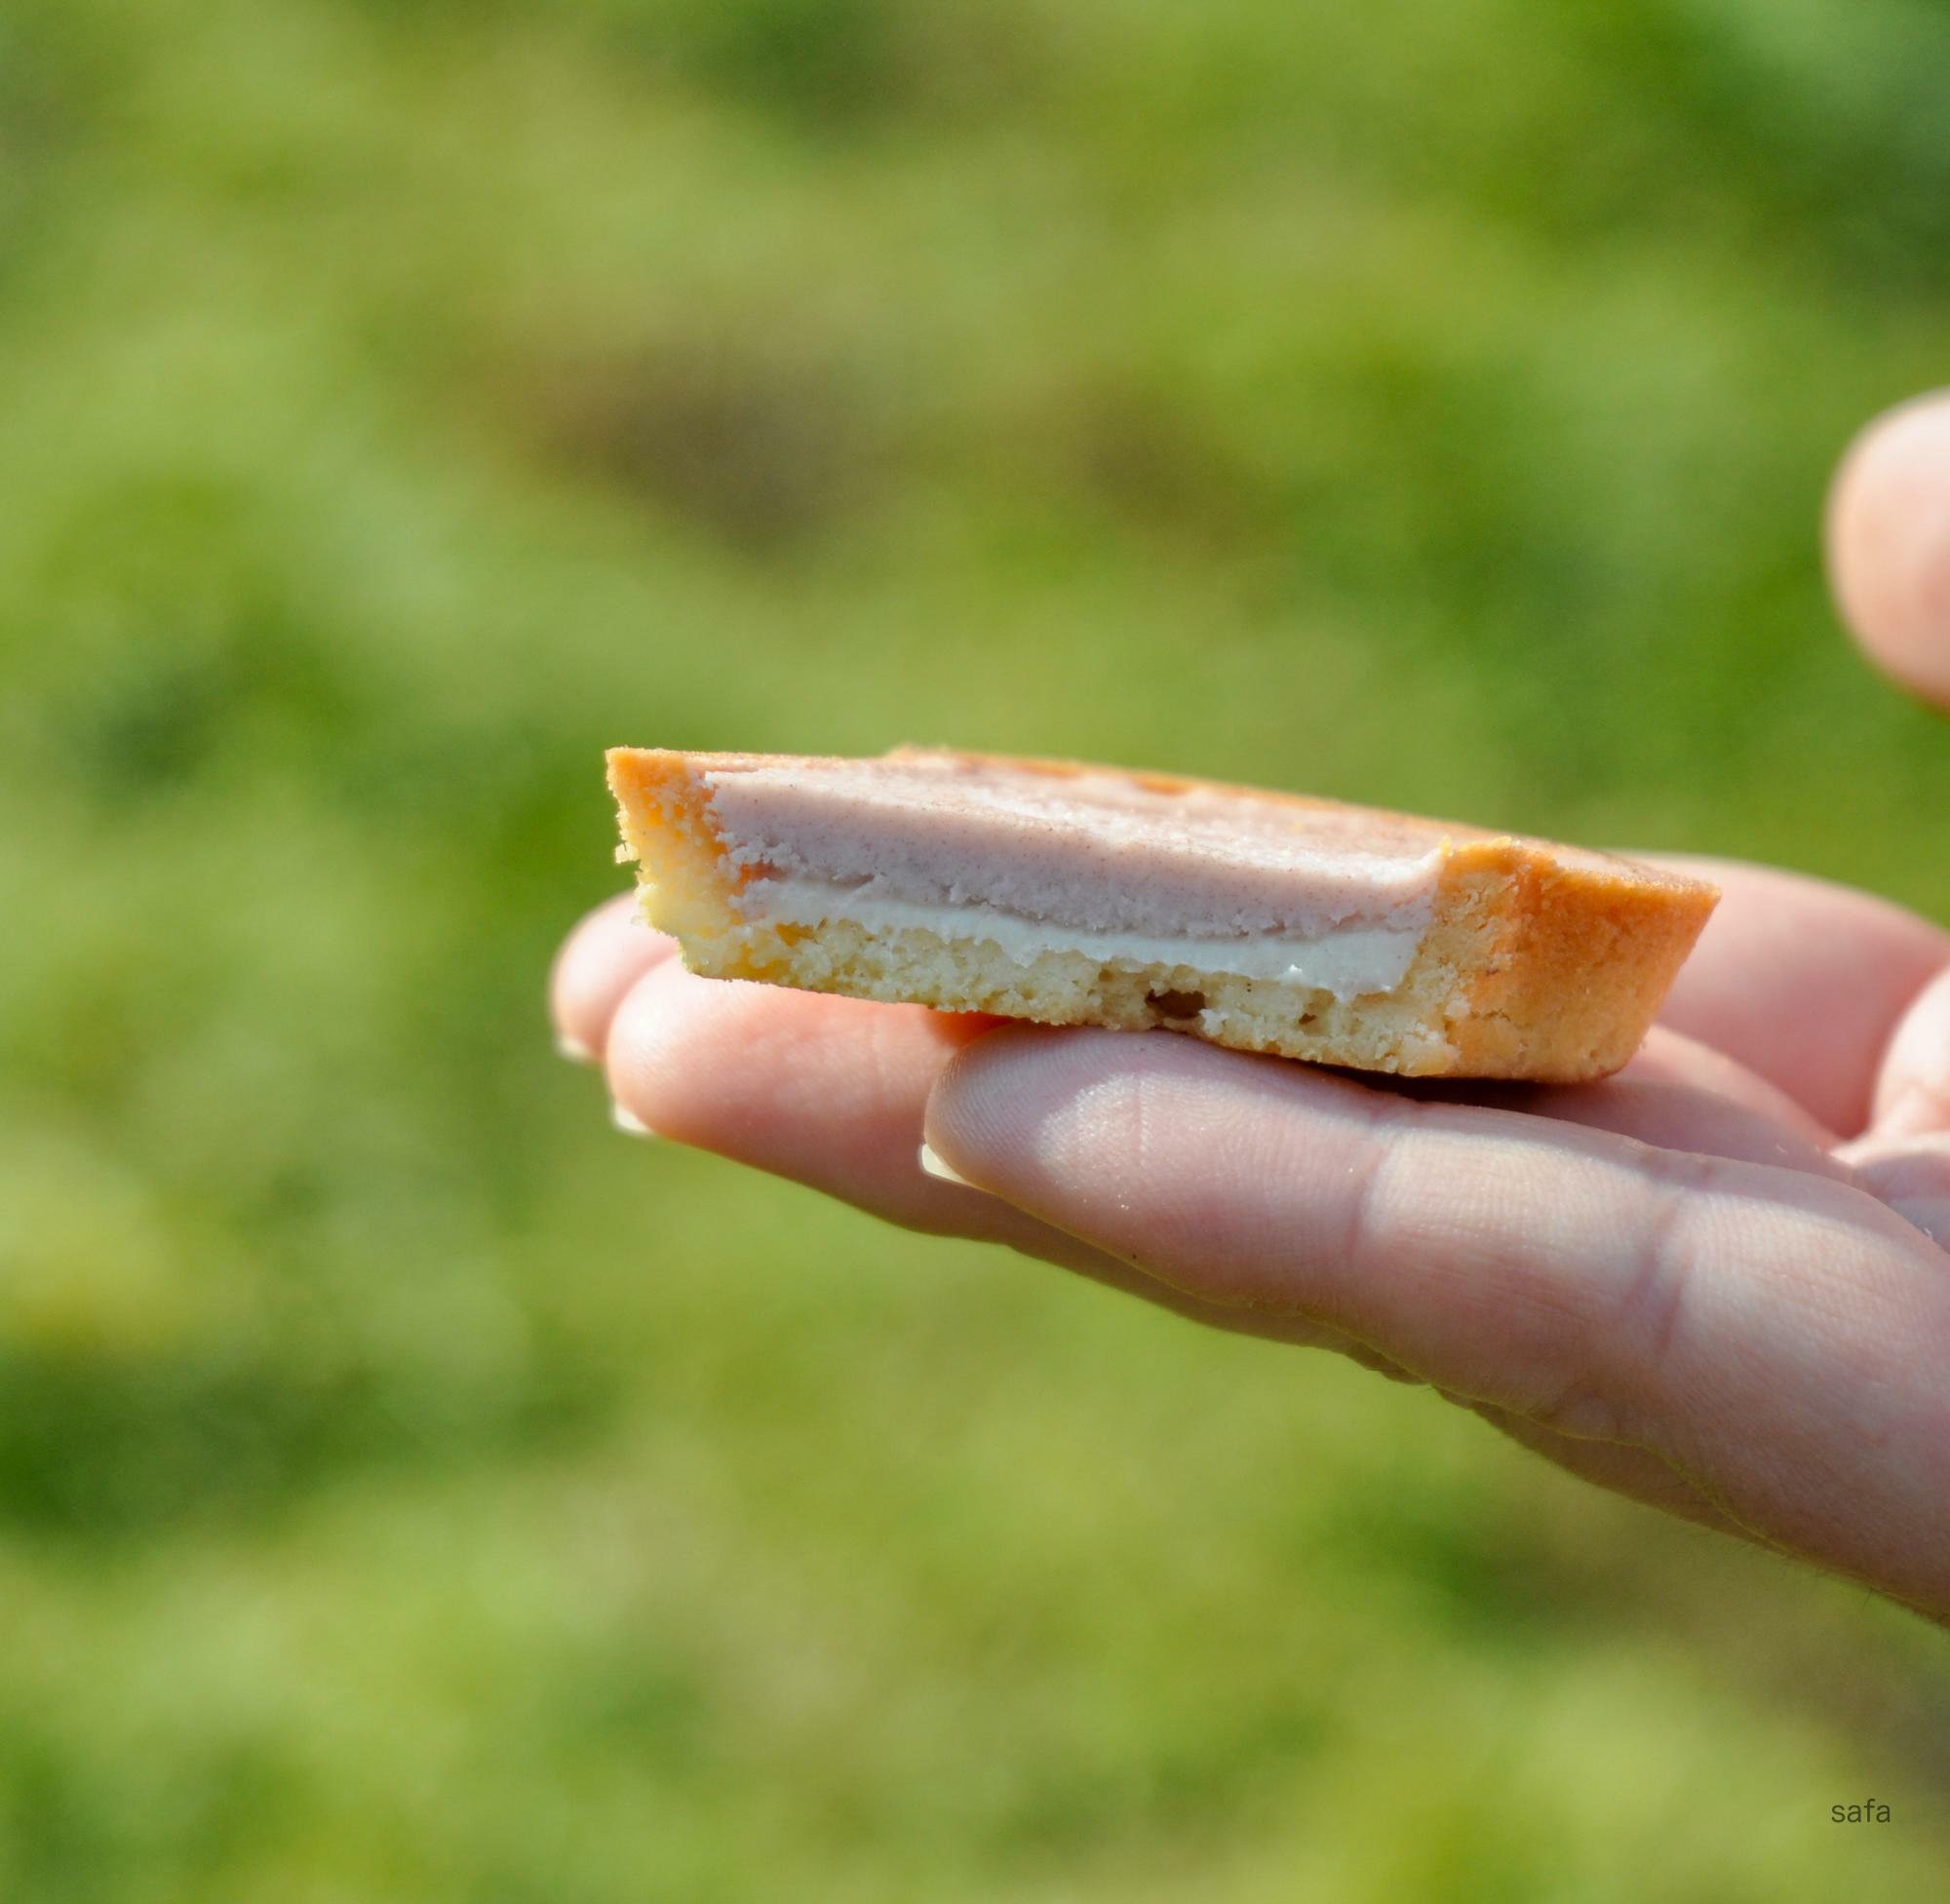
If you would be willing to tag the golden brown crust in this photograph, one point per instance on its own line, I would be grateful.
(1580, 958)
(1543, 961)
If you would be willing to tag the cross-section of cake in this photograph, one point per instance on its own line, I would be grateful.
(1086, 895)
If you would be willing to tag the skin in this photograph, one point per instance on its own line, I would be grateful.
(1716, 1283)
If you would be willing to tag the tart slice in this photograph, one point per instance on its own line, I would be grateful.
(1088, 895)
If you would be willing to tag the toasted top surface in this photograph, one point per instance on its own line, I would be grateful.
(1093, 846)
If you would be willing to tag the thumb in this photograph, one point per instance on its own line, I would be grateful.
(1889, 544)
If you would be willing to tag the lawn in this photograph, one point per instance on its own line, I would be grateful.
(409, 1488)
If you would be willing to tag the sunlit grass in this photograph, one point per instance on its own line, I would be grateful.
(410, 1489)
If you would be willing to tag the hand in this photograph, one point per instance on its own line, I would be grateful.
(1717, 1282)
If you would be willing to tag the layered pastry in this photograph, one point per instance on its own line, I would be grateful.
(1087, 895)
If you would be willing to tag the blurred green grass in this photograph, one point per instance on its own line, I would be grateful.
(410, 1490)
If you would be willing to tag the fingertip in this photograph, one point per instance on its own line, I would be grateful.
(1887, 534)
(598, 963)
(998, 1093)
(646, 1058)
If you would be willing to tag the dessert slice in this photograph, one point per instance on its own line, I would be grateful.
(1085, 895)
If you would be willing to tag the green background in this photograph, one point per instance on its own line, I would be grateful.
(410, 1489)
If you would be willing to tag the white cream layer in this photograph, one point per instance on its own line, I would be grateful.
(1348, 962)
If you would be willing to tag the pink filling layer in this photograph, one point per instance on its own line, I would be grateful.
(1096, 852)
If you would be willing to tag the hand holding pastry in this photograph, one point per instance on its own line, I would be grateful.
(1715, 1281)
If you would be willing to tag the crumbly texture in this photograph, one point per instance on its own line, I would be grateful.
(1540, 962)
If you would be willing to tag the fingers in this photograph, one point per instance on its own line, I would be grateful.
(831, 1092)
(599, 963)
(1802, 982)
(1494, 1252)
(1888, 543)
(731, 1066)
(1779, 1333)
(828, 1091)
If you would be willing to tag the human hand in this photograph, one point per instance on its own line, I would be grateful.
(1716, 1282)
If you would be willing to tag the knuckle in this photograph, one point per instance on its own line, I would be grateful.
(1632, 1344)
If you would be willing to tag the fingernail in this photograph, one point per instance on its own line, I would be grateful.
(930, 1161)
(573, 1049)
(628, 1123)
